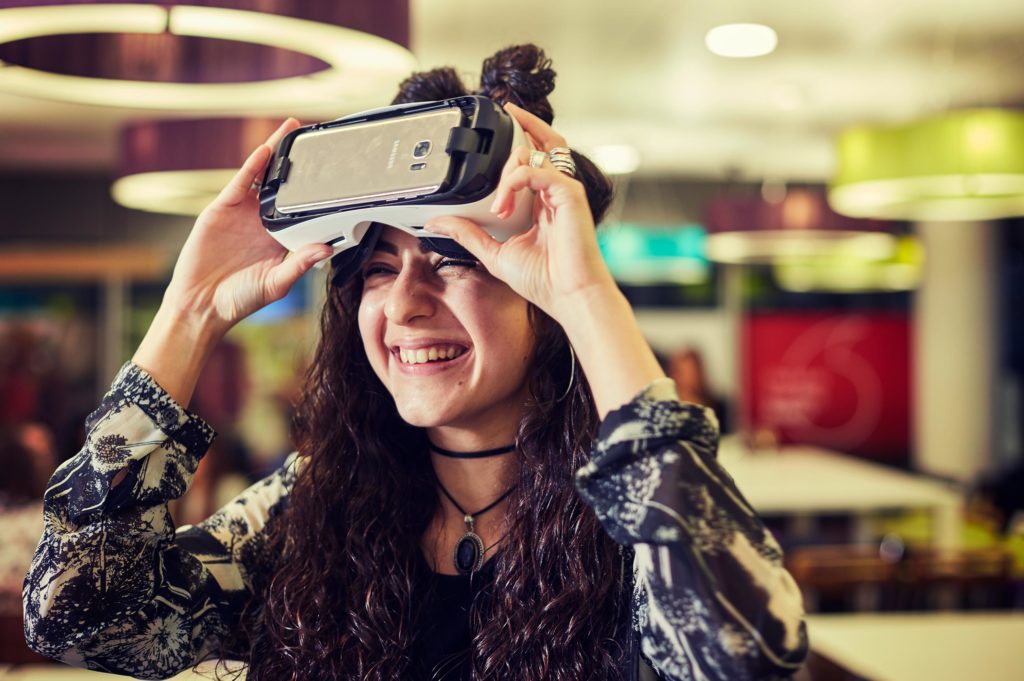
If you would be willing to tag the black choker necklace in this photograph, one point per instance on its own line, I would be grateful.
(469, 550)
(482, 454)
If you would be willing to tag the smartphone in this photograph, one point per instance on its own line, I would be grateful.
(394, 158)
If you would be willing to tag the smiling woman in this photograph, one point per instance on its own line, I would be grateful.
(494, 479)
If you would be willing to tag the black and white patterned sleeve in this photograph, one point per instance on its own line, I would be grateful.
(113, 587)
(711, 598)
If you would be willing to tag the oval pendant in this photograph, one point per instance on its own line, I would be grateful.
(469, 553)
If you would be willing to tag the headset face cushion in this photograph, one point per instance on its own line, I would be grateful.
(347, 263)
(449, 248)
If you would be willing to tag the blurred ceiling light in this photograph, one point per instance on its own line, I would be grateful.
(839, 273)
(361, 68)
(963, 165)
(741, 40)
(178, 192)
(179, 166)
(616, 159)
(750, 229)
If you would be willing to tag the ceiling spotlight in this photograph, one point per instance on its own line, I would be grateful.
(741, 40)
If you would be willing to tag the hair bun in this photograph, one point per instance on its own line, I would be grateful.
(428, 86)
(520, 74)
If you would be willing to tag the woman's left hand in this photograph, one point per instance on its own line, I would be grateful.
(558, 258)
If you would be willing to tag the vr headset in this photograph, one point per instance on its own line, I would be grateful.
(341, 182)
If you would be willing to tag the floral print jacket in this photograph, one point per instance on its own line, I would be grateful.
(114, 587)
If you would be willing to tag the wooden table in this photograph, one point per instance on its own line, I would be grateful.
(923, 646)
(803, 481)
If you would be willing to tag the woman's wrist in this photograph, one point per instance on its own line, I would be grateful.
(176, 347)
(611, 349)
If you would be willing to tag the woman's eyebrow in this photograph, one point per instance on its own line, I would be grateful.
(386, 246)
(389, 247)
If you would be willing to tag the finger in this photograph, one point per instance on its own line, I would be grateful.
(236, 190)
(503, 197)
(543, 133)
(284, 275)
(251, 171)
(285, 128)
(467, 234)
(557, 187)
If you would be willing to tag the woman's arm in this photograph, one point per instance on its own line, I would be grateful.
(711, 597)
(112, 586)
(228, 268)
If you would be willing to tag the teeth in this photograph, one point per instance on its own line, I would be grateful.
(431, 354)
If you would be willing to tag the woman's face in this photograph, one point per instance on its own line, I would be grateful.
(451, 343)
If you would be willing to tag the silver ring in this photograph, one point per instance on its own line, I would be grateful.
(561, 159)
(537, 158)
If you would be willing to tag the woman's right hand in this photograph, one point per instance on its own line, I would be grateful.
(230, 266)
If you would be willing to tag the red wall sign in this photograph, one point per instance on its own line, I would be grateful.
(840, 380)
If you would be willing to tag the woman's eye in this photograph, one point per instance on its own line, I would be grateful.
(372, 270)
(455, 262)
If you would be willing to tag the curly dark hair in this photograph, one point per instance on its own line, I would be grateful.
(341, 603)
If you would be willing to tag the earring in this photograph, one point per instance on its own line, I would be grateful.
(572, 375)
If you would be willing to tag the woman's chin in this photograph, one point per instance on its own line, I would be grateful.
(422, 415)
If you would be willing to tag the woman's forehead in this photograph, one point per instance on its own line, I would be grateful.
(394, 241)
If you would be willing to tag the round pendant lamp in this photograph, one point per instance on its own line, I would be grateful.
(749, 229)
(179, 166)
(225, 57)
(962, 165)
(837, 273)
(243, 65)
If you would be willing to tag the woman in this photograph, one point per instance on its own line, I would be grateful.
(445, 400)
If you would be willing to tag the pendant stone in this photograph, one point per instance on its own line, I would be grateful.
(469, 553)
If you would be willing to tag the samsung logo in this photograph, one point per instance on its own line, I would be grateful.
(393, 156)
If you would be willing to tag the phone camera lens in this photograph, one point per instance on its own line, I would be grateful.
(421, 149)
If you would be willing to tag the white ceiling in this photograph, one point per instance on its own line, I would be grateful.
(639, 73)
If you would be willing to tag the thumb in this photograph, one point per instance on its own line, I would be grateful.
(467, 234)
(284, 275)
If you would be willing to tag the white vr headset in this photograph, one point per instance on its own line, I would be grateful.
(340, 182)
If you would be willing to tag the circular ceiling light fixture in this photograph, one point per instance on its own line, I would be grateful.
(362, 68)
(748, 229)
(179, 166)
(839, 273)
(741, 40)
(963, 165)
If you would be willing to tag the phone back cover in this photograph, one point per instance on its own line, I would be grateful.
(367, 161)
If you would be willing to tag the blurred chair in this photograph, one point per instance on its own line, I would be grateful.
(842, 577)
(888, 577)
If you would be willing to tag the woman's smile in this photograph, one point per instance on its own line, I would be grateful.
(428, 358)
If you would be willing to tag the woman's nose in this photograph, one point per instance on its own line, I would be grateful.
(408, 298)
